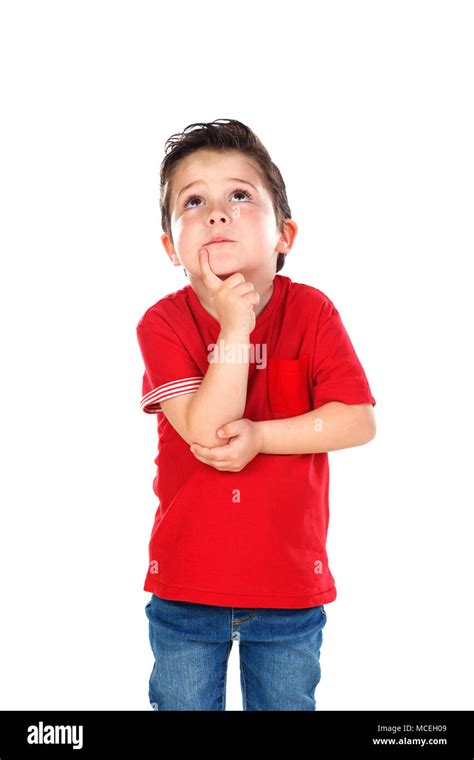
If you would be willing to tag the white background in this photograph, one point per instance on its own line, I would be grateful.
(367, 109)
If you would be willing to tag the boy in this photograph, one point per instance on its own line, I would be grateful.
(236, 362)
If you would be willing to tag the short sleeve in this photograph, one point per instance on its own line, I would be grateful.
(169, 367)
(337, 372)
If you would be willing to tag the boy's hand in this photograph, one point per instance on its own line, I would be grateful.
(245, 444)
(233, 299)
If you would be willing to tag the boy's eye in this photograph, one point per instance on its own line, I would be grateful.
(196, 197)
(242, 192)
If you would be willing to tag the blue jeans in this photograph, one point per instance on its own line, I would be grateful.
(191, 643)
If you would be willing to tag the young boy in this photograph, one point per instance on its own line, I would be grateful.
(236, 363)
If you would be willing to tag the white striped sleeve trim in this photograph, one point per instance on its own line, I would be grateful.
(150, 403)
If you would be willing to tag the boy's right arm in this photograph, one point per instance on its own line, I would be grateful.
(222, 394)
(220, 398)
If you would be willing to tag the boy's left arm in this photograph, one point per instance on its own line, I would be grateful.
(330, 427)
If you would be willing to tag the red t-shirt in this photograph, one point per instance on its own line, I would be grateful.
(254, 538)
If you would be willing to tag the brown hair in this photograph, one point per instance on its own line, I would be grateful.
(222, 135)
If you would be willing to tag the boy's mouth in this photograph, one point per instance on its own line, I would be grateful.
(219, 240)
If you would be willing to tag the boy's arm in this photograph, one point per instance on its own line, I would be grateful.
(220, 397)
(333, 426)
(222, 393)
(330, 427)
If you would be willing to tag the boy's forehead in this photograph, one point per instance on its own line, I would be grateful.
(211, 166)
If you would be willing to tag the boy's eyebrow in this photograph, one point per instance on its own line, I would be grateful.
(229, 179)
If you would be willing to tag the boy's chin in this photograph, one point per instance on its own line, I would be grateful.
(224, 275)
(223, 270)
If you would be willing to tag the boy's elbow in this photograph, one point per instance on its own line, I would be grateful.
(367, 423)
(203, 435)
(371, 435)
(207, 439)
(370, 430)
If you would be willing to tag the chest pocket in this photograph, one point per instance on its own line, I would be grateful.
(288, 386)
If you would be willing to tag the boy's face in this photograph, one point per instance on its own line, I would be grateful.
(218, 204)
